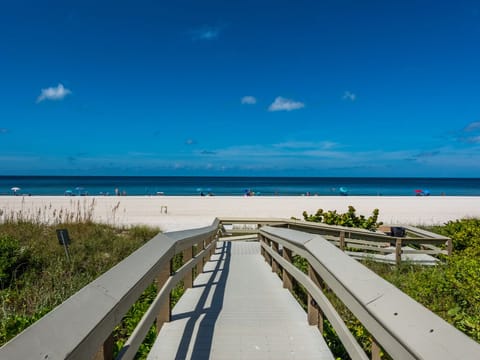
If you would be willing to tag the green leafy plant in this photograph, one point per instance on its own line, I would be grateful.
(15, 259)
(35, 274)
(130, 321)
(349, 219)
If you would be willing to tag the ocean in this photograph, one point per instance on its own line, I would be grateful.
(237, 186)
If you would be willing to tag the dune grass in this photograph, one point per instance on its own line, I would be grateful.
(35, 274)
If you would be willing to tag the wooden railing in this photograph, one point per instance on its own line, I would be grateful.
(398, 324)
(81, 327)
(361, 242)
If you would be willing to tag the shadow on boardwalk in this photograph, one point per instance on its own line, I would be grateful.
(214, 289)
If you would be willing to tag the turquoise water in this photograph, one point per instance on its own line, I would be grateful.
(222, 186)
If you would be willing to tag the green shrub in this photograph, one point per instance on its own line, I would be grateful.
(348, 219)
(451, 290)
(465, 233)
(36, 275)
(130, 321)
(14, 260)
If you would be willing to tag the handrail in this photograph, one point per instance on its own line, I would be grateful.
(372, 241)
(404, 328)
(83, 324)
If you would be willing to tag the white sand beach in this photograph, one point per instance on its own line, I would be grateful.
(184, 212)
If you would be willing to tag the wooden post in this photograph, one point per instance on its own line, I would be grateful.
(449, 247)
(376, 350)
(188, 279)
(342, 240)
(398, 251)
(204, 259)
(106, 350)
(315, 314)
(200, 263)
(210, 240)
(262, 250)
(164, 314)
(213, 248)
(266, 242)
(312, 308)
(286, 277)
(274, 262)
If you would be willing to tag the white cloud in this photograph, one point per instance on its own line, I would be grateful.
(206, 33)
(323, 145)
(250, 100)
(473, 139)
(349, 96)
(472, 126)
(53, 93)
(282, 104)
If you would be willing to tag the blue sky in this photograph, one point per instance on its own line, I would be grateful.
(280, 88)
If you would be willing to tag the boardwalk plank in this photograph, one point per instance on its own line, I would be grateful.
(238, 309)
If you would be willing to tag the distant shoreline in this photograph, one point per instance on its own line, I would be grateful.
(182, 212)
(236, 186)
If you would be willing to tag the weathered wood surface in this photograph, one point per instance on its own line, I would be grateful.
(237, 309)
(403, 327)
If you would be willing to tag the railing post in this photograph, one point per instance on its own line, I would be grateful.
(200, 247)
(398, 251)
(214, 247)
(188, 279)
(449, 247)
(164, 314)
(269, 257)
(342, 240)
(265, 253)
(210, 252)
(261, 239)
(315, 314)
(266, 256)
(106, 350)
(205, 244)
(274, 262)
(376, 350)
(286, 277)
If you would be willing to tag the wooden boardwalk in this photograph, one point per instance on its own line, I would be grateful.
(238, 309)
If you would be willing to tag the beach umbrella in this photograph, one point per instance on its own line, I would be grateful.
(419, 192)
(343, 191)
(15, 189)
(68, 192)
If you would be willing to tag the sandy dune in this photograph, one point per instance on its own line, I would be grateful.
(187, 212)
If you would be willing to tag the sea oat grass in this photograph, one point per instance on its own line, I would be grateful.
(35, 274)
